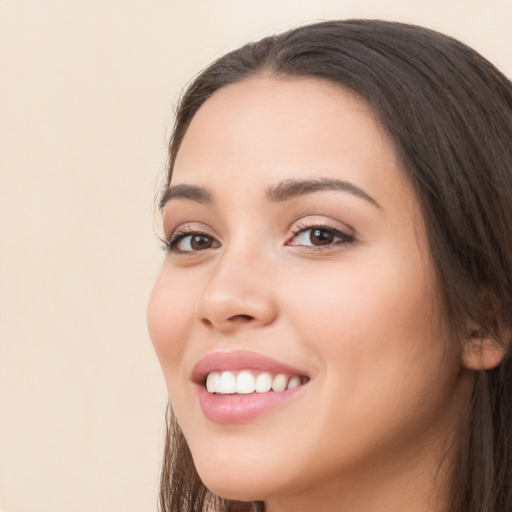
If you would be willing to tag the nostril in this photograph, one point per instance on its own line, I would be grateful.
(241, 318)
(235, 319)
(206, 322)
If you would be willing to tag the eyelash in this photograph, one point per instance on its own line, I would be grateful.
(182, 233)
(344, 238)
(171, 245)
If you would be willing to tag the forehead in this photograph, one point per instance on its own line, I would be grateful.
(268, 129)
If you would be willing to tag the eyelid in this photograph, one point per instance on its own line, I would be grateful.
(182, 232)
(312, 220)
(344, 235)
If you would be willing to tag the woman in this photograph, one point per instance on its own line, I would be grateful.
(333, 314)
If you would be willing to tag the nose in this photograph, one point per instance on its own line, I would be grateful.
(238, 294)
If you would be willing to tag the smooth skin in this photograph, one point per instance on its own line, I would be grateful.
(337, 282)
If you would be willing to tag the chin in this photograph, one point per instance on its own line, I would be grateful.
(236, 481)
(233, 487)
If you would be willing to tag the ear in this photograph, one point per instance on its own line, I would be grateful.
(481, 350)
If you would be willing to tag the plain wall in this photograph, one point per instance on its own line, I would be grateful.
(87, 89)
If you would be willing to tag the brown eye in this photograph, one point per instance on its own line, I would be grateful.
(200, 242)
(192, 242)
(320, 237)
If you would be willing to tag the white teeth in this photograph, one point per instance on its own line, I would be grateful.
(279, 382)
(213, 382)
(244, 383)
(263, 383)
(294, 382)
(227, 383)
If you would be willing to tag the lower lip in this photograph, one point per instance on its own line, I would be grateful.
(242, 408)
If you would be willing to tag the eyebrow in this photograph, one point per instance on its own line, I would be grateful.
(284, 191)
(190, 192)
(291, 189)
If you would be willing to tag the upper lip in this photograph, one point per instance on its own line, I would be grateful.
(240, 360)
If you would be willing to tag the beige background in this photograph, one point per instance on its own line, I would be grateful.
(86, 95)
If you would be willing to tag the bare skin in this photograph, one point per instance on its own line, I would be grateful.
(331, 276)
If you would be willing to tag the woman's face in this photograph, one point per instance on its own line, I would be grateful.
(298, 258)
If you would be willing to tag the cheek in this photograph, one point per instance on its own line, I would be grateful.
(370, 323)
(168, 316)
(356, 297)
(381, 360)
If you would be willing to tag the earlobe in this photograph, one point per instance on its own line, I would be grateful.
(482, 351)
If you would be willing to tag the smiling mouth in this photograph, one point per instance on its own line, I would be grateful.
(238, 386)
(246, 382)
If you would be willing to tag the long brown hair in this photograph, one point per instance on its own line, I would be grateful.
(449, 113)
